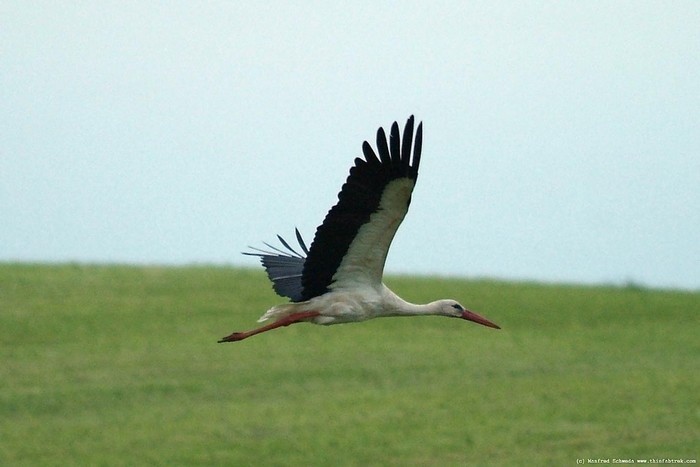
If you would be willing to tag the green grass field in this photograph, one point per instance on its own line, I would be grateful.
(116, 365)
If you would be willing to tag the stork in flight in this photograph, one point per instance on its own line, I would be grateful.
(340, 278)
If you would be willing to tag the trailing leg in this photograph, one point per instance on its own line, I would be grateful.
(286, 321)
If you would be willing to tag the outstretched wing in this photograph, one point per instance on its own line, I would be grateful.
(351, 245)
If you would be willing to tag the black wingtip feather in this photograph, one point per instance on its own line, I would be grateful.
(383, 147)
(370, 156)
(417, 148)
(407, 140)
(283, 242)
(395, 145)
(301, 241)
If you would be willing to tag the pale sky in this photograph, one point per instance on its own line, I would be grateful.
(561, 139)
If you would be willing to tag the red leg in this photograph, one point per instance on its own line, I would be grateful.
(286, 321)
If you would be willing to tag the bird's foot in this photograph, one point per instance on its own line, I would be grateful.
(235, 337)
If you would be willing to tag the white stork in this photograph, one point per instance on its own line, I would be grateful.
(340, 278)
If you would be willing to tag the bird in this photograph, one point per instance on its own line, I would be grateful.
(338, 279)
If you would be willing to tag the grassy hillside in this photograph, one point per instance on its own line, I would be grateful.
(113, 365)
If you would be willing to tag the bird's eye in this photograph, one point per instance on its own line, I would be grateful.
(457, 307)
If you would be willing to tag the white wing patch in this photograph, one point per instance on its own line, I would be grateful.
(364, 261)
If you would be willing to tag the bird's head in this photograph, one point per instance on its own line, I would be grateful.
(454, 309)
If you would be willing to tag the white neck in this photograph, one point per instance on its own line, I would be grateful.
(396, 306)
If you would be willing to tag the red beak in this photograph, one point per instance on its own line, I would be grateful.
(471, 316)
